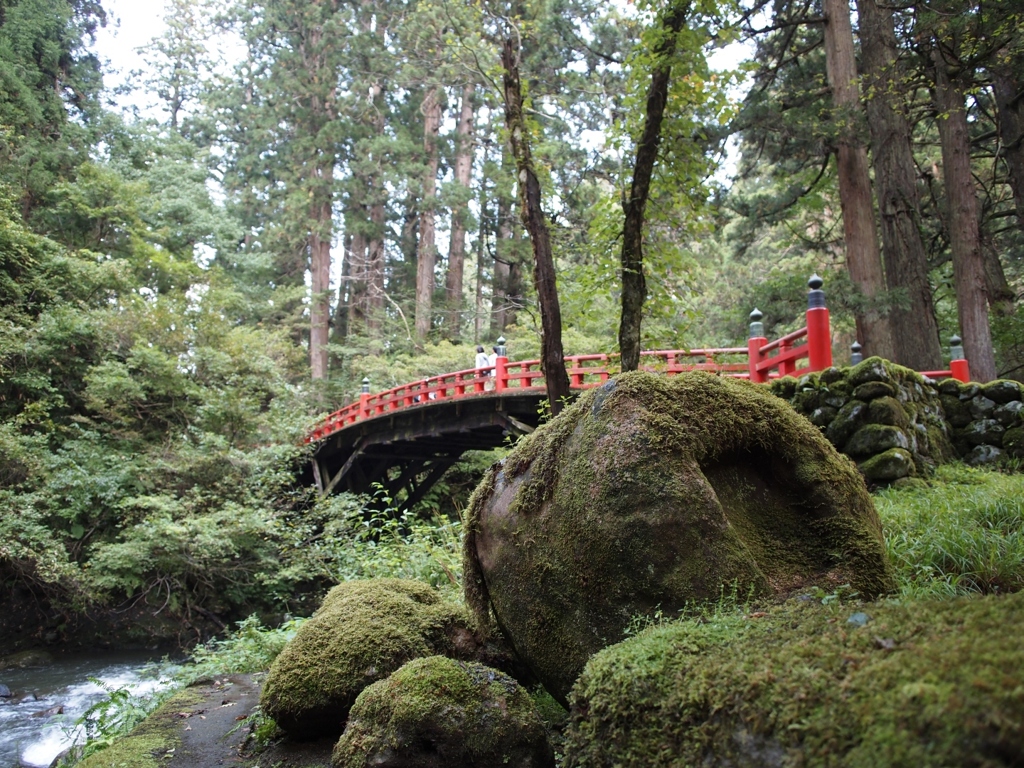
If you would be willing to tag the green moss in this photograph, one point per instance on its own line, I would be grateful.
(363, 632)
(1013, 442)
(651, 494)
(439, 712)
(929, 684)
(890, 465)
(888, 410)
(156, 738)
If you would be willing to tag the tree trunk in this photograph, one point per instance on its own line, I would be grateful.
(426, 253)
(552, 357)
(863, 258)
(457, 245)
(356, 258)
(501, 279)
(481, 248)
(962, 222)
(912, 314)
(343, 309)
(634, 285)
(320, 269)
(1009, 96)
(375, 270)
(376, 197)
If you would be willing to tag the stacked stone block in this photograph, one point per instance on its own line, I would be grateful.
(985, 419)
(887, 418)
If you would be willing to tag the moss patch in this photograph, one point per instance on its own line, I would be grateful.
(938, 683)
(364, 631)
(153, 742)
(439, 713)
(650, 494)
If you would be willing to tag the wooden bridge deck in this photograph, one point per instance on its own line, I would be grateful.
(402, 454)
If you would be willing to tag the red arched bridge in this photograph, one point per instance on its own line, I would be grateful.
(397, 443)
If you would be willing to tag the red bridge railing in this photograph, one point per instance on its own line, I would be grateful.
(760, 361)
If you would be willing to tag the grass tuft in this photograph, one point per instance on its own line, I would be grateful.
(962, 535)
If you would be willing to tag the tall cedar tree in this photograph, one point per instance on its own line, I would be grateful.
(457, 243)
(45, 74)
(426, 253)
(552, 357)
(912, 314)
(863, 258)
(962, 218)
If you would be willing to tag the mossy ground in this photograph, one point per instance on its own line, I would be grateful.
(806, 684)
(363, 631)
(154, 742)
(439, 713)
(652, 493)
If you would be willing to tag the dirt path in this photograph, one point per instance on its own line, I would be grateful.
(213, 733)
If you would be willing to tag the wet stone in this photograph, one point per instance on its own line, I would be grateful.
(1008, 414)
(981, 407)
(847, 421)
(982, 455)
(872, 389)
(949, 387)
(830, 375)
(888, 466)
(1013, 442)
(887, 410)
(833, 400)
(876, 438)
(968, 391)
(1002, 391)
(983, 432)
(956, 412)
(822, 417)
(872, 369)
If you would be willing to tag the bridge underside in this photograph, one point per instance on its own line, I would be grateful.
(396, 458)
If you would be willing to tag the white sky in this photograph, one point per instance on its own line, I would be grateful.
(130, 24)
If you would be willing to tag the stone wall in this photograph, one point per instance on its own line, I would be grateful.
(895, 423)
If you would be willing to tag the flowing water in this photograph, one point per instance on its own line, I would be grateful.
(32, 731)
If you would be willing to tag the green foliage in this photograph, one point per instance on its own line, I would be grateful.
(963, 535)
(338, 540)
(113, 717)
(250, 647)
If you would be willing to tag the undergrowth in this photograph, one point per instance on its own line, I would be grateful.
(964, 534)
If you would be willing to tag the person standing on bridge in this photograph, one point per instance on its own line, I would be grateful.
(481, 358)
(491, 358)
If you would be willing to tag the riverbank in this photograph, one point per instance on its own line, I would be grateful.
(207, 726)
(37, 721)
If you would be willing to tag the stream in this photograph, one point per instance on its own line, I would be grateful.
(33, 731)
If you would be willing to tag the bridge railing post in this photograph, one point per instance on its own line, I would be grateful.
(819, 331)
(501, 366)
(856, 356)
(958, 363)
(364, 399)
(754, 343)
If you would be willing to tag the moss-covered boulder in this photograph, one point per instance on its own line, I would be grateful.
(886, 467)
(363, 631)
(932, 684)
(650, 494)
(439, 713)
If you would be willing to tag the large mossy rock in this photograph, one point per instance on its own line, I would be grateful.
(363, 631)
(650, 494)
(925, 684)
(440, 713)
